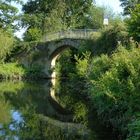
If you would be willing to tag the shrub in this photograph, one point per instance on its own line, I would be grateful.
(115, 89)
(107, 41)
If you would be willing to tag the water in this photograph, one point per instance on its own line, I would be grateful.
(28, 111)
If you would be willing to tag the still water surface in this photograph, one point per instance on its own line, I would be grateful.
(29, 112)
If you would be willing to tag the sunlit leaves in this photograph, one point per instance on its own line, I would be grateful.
(6, 45)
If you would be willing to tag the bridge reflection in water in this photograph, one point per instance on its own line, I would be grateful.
(35, 114)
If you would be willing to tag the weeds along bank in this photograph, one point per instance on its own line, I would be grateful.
(14, 71)
(113, 86)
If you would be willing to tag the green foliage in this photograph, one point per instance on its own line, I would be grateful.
(80, 113)
(107, 42)
(98, 66)
(66, 63)
(82, 64)
(11, 71)
(33, 34)
(70, 13)
(129, 5)
(134, 23)
(134, 129)
(6, 44)
(8, 14)
(14, 71)
(33, 72)
(51, 16)
(10, 86)
(115, 89)
(4, 112)
(95, 18)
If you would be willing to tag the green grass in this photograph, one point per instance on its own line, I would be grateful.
(11, 71)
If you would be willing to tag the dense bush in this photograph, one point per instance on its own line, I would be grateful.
(113, 87)
(106, 40)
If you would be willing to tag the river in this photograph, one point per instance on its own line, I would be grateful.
(30, 111)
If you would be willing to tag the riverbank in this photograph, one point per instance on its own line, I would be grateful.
(15, 71)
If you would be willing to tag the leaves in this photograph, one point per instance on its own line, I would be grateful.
(134, 23)
(115, 88)
(52, 16)
(8, 14)
(129, 5)
(6, 45)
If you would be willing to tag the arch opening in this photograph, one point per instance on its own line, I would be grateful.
(56, 55)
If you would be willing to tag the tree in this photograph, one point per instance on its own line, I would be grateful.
(134, 23)
(6, 44)
(95, 17)
(50, 16)
(129, 5)
(8, 14)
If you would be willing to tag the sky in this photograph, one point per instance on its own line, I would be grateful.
(113, 4)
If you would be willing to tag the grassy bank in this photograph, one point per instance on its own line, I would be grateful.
(14, 71)
(11, 71)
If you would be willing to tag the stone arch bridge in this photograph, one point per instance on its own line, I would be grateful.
(44, 54)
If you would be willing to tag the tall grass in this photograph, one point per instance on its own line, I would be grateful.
(11, 71)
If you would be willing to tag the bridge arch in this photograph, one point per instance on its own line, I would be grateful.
(46, 53)
(57, 52)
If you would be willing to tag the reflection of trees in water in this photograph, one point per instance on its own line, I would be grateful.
(70, 95)
(32, 100)
(4, 112)
(42, 127)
